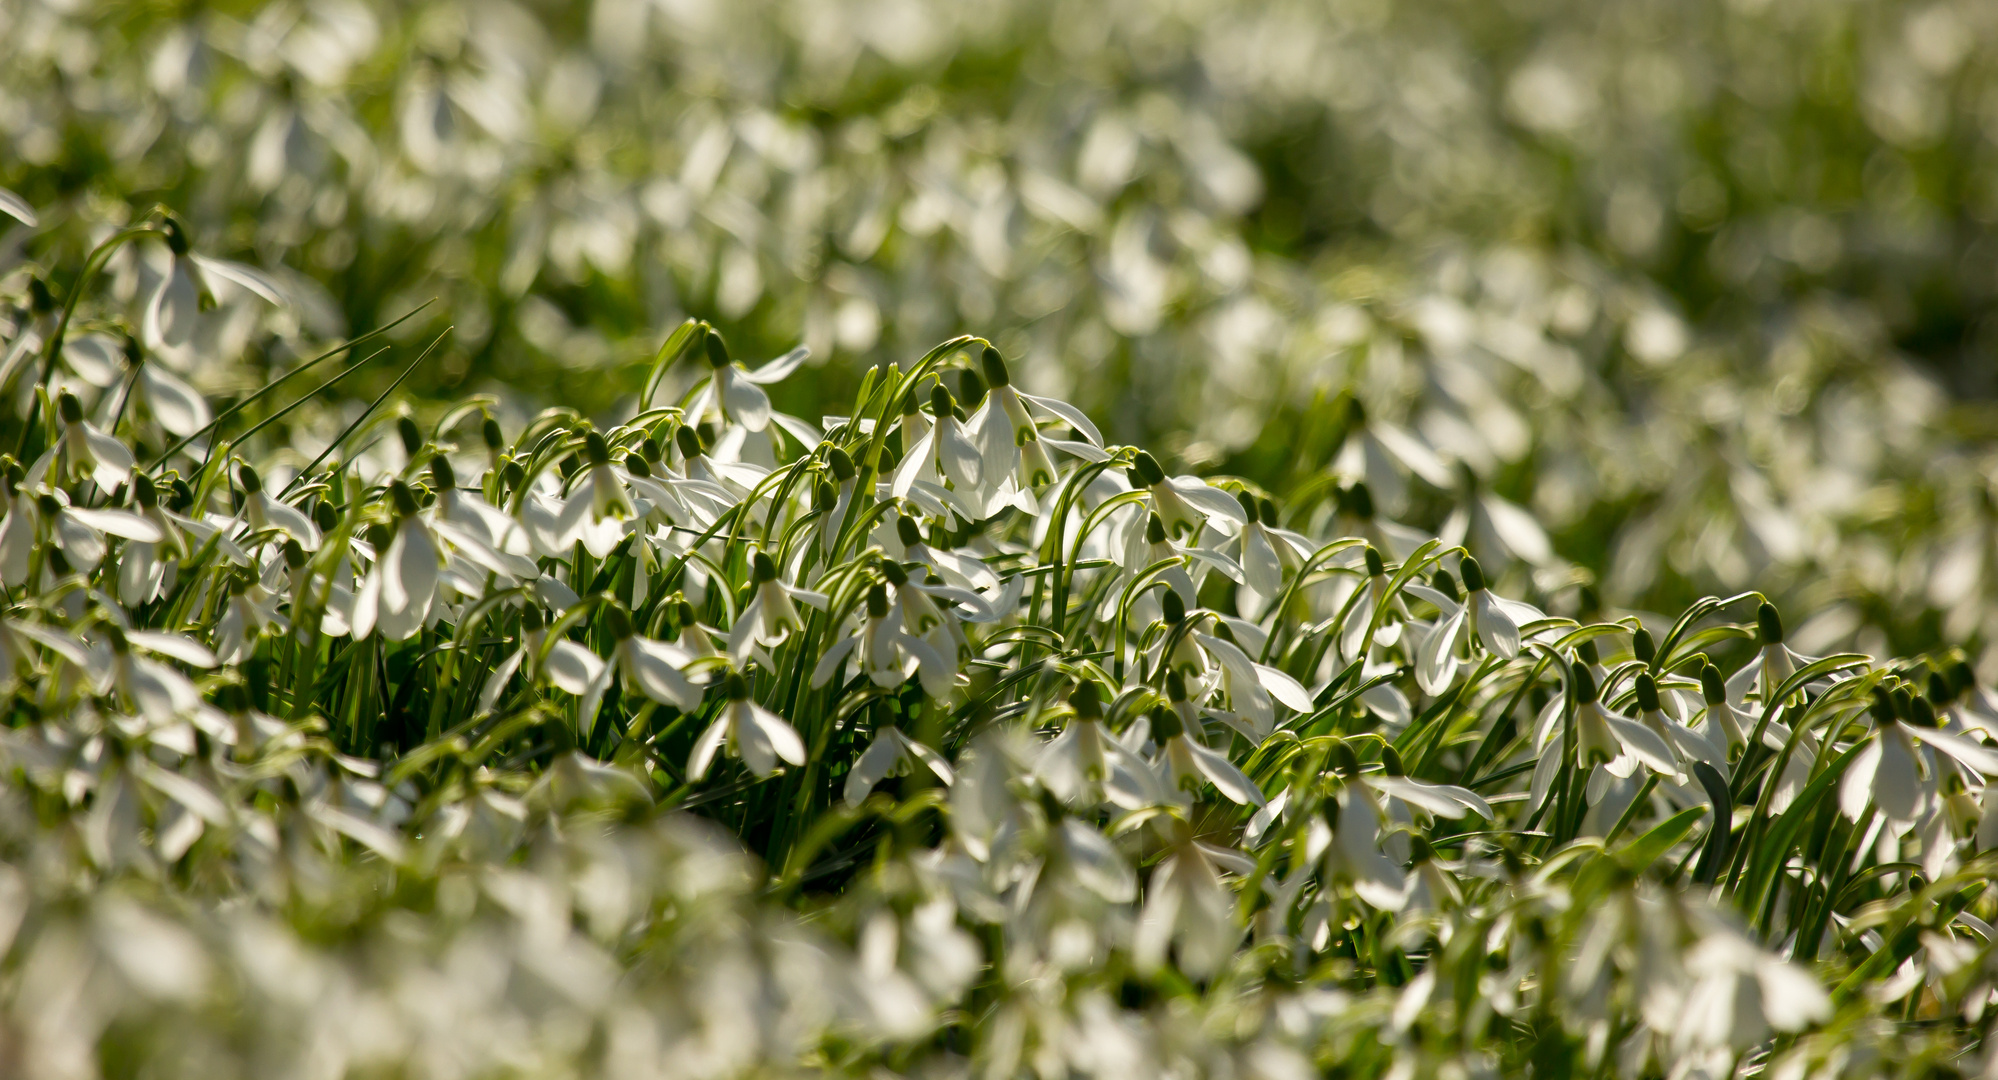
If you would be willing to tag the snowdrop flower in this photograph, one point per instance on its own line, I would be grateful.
(1492, 620)
(399, 594)
(79, 533)
(1265, 551)
(770, 617)
(157, 692)
(1182, 503)
(1888, 771)
(1347, 836)
(887, 655)
(737, 393)
(1691, 745)
(251, 611)
(1188, 906)
(1076, 762)
(892, 753)
(265, 513)
(1254, 689)
(1009, 438)
(176, 304)
(758, 736)
(533, 631)
(943, 453)
(1358, 517)
(655, 668)
(1773, 664)
(1380, 454)
(1740, 992)
(1613, 746)
(600, 494)
(86, 452)
(1360, 612)
(1188, 763)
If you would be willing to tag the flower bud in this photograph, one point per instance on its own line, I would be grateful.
(513, 474)
(1175, 687)
(894, 572)
(176, 235)
(1768, 624)
(294, 555)
(877, 602)
(1375, 567)
(911, 406)
(1149, 469)
(531, 619)
(1360, 501)
(48, 505)
(1882, 708)
(595, 449)
(636, 465)
(1474, 575)
(40, 300)
(1266, 512)
(716, 347)
(412, 436)
(824, 497)
(441, 473)
(70, 409)
(144, 494)
(402, 498)
(1642, 647)
(1712, 687)
(1173, 608)
(970, 388)
(684, 613)
(1087, 700)
(1647, 693)
(994, 367)
(1587, 651)
(490, 432)
(1391, 761)
(762, 569)
(687, 442)
(1940, 690)
(1582, 684)
(907, 532)
(618, 622)
(735, 687)
(1166, 724)
(1248, 502)
(650, 450)
(1922, 714)
(251, 483)
(1343, 760)
(841, 464)
(1442, 582)
(1904, 703)
(940, 403)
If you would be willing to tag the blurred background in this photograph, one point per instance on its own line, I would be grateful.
(1661, 298)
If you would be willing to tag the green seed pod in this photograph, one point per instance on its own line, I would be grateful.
(412, 436)
(1882, 708)
(824, 497)
(1343, 760)
(1642, 647)
(650, 449)
(1647, 693)
(490, 431)
(1442, 582)
(531, 619)
(294, 555)
(1173, 608)
(402, 499)
(70, 409)
(251, 483)
(1582, 684)
(442, 474)
(1940, 690)
(1266, 512)
(716, 347)
(40, 300)
(636, 465)
(1149, 469)
(1769, 624)
(1375, 567)
(1587, 651)
(1922, 714)
(618, 622)
(970, 388)
(762, 569)
(735, 687)
(1391, 761)
(1175, 687)
(1474, 575)
(893, 571)
(994, 367)
(877, 602)
(144, 494)
(841, 464)
(595, 449)
(1087, 700)
(908, 532)
(1359, 501)
(1248, 502)
(1712, 687)
(513, 474)
(940, 403)
(1166, 724)
(687, 442)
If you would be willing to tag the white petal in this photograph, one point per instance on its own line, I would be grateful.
(871, 767)
(1069, 414)
(1285, 689)
(777, 369)
(1495, 628)
(178, 407)
(249, 277)
(746, 402)
(703, 754)
(184, 649)
(572, 667)
(18, 208)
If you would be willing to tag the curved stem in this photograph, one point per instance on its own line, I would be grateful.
(53, 347)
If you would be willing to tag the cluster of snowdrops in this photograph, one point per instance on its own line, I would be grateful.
(930, 734)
